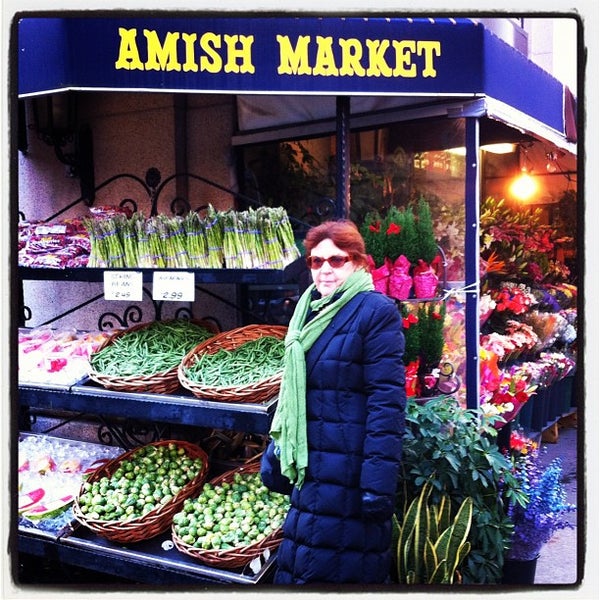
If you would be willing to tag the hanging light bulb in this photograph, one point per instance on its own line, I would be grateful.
(551, 166)
(524, 186)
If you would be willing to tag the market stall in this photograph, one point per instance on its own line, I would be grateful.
(443, 83)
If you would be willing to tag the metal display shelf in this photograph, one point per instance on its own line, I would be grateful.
(164, 408)
(237, 276)
(145, 562)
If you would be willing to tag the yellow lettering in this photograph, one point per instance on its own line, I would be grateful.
(293, 61)
(429, 49)
(190, 61)
(351, 55)
(129, 57)
(377, 64)
(162, 57)
(404, 50)
(212, 62)
(244, 53)
(325, 61)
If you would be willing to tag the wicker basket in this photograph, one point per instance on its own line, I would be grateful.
(163, 382)
(252, 393)
(157, 520)
(240, 555)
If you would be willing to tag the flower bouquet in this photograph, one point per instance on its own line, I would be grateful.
(513, 298)
(486, 308)
(542, 513)
(503, 392)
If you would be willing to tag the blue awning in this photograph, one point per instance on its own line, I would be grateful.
(409, 61)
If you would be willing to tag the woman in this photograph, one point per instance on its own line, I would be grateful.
(337, 431)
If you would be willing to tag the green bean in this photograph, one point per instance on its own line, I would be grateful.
(249, 363)
(153, 349)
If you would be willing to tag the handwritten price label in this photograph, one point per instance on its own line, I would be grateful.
(123, 285)
(173, 286)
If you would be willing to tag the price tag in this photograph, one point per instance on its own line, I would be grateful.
(173, 286)
(123, 285)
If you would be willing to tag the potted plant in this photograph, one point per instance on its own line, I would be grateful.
(412, 348)
(455, 450)
(541, 513)
(430, 543)
(431, 316)
(403, 250)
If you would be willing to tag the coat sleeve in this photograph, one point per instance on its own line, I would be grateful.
(386, 403)
(270, 471)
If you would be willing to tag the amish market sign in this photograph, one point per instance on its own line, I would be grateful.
(231, 53)
(252, 55)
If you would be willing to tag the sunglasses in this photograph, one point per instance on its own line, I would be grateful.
(336, 262)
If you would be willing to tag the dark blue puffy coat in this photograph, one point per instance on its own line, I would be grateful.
(355, 410)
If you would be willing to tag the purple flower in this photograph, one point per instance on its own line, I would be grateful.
(545, 509)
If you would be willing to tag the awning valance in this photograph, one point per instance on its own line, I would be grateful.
(386, 61)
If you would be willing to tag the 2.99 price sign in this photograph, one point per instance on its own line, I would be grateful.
(173, 286)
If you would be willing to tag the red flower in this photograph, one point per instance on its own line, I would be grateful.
(375, 227)
(393, 229)
(410, 320)
(436, 315)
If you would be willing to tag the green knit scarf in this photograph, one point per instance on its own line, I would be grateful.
(288, 429)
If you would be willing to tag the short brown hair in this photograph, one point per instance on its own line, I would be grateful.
(344, 234)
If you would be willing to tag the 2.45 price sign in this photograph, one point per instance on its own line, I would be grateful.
(123, 285)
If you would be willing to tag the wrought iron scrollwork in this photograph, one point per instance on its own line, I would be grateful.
(130, 434)
(110, 320)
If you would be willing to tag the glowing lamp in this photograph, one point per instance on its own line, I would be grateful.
(524, 186)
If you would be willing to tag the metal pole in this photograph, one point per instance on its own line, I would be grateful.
(342, 198)
(472, 251)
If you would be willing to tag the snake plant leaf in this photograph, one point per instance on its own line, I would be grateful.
(443, 514)
(430, 561)
(460, 531)
(440, 575)
(421, 530)
(433, 523)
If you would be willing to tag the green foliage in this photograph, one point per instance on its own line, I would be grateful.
(411, 248)
(431, 332)
(428, 247)
(430, 547)
(455, 451)
(374, 240)
(395, 242)
(415, 238)
(412, 334)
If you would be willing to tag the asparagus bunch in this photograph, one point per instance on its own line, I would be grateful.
(195, 236)
(213, 227)
(144, 251)
(252, 239)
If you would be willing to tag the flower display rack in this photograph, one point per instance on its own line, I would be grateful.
(548, 405)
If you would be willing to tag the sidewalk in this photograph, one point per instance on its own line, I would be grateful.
(558, 559)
